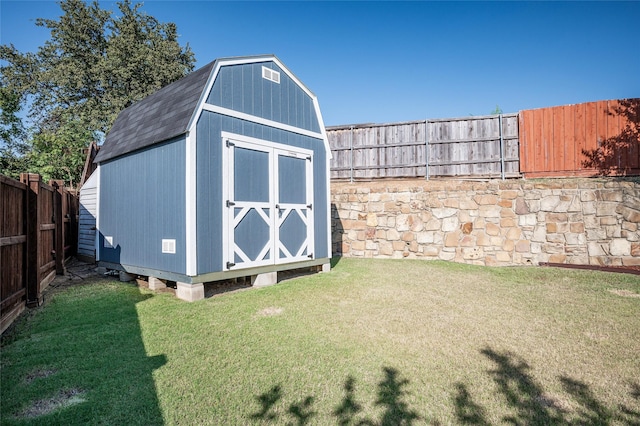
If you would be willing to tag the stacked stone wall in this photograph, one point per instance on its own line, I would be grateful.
(514, 222)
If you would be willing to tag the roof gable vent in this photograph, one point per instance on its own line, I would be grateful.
(271, 75)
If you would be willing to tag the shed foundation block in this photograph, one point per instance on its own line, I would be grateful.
(126, 277)
(156, 283)
(325, 267)
(262, 280)
(190, 292)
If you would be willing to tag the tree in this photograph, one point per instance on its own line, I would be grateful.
(95, 64)
(13, 148)
(497, 110)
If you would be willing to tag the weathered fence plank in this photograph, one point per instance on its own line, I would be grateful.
(469, 146)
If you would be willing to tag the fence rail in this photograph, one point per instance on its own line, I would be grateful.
(485, 146)
(38, 232)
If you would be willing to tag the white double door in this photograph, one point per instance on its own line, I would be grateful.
(268, 205)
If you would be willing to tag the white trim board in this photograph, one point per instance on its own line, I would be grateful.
(191, 230)
(260, 120)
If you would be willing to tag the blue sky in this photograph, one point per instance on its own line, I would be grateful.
(376, 62)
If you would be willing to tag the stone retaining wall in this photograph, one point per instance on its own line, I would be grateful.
(513, 222)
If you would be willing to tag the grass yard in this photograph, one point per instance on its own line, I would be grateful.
(373, 342)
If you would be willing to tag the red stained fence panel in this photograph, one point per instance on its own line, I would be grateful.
(593, 138)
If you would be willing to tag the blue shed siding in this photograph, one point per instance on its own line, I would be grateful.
(242, 88)
(209, 182)
(142, 201)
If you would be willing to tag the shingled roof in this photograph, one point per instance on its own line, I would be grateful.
(158, 117)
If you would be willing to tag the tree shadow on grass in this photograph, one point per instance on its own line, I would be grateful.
(527, 398)
(468, 412)
(391, 396)
(88, 341)
(521, 391)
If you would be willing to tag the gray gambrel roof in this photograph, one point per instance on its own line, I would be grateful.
(158, 117)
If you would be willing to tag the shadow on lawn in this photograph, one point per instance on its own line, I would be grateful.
(523, 395)
(97, 368)
(532, 406)
(390, 396)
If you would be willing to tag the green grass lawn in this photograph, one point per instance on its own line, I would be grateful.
(373, 342)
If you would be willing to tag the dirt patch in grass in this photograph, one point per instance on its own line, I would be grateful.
(39, 374)
(64, 398)
(624, 293)
(271, 311)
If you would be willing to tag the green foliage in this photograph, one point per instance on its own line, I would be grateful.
(12, 135)
(497, 110)
(59, 153)
(95, 64)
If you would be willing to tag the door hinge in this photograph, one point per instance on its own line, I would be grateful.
(310, 206)
(230, 203)
(230, 144)
(310, 256)
(309, 158)
(230, 265)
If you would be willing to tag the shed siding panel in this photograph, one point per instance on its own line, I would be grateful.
(142, 201)
(87, 216)
(242, 88)
(209, 183)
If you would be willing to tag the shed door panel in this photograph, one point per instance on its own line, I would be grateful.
(249, 207)
(294, 209)
(268, 210)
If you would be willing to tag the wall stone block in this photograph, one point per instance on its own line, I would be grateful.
(493, 223)
(449, 224)
(620, 247)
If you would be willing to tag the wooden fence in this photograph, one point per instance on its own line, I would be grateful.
(485, 146)
(38, 222)
(592, 138)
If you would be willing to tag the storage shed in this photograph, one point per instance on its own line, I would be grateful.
(222, 174)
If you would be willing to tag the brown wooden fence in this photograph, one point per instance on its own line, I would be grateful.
(38, 221)
(484, 146)
(592, 138)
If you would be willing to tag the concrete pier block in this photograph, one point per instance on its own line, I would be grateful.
(156, 283)
(125, 277)
(262, 280)
(189, 292)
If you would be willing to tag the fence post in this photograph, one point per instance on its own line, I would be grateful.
(58, 219)
(502, 172)
(426, 148)
(351, 154)
(33, 181)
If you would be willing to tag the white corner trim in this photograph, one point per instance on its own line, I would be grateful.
(191, 204)
(323, 131)
(97, 236)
